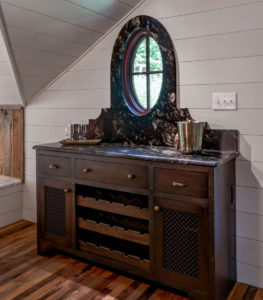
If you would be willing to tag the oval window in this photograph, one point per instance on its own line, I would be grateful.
(142, 72)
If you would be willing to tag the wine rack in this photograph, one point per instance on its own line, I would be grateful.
(113, 224)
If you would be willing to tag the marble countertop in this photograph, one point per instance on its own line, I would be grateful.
(149, 153)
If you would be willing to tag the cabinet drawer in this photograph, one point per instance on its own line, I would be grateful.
(181, 182)
(54, 165)
(119, 174)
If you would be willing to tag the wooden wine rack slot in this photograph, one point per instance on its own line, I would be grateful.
(115, 231)
(115, 255)
(114, 207)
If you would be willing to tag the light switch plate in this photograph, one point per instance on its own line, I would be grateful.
(224, 101)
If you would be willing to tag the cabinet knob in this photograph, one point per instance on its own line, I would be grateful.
(53, 166)
(178, 184)
(86, 170)
(67, 191)
(156, 208)
(131, 176)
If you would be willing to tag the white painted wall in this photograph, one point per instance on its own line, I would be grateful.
(9, 94)
(219, 46)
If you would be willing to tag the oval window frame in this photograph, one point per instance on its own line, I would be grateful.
(129, 53)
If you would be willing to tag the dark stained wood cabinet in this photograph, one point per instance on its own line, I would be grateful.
(170, 223)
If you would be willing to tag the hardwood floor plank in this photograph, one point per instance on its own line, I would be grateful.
(127, 292)
(117, 287)
(26, 276)
(238, 291)
(138, 292)
(259, 295)
(250, 293)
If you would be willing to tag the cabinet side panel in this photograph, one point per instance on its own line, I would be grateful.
(224, 222)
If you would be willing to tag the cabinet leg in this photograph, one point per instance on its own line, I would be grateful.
(44, 248)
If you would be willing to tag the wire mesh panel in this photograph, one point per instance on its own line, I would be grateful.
(55, 211)
(180, 242)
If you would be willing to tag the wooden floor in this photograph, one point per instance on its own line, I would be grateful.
(25, 275)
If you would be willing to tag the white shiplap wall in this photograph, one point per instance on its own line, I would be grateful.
(219, 45)
(9, 94)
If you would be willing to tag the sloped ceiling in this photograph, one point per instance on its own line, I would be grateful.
(47, 36)
(9, 92)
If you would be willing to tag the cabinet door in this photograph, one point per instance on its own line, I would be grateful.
(181, 242)
(55, 208)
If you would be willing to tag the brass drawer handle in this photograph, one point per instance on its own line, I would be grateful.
(86, 170)
(53, 166)
(67, 191)
(156, 208)
(131, 176)
(178, 184)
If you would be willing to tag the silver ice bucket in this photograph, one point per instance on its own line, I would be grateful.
(190, 135)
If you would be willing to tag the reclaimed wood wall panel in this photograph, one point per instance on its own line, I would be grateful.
(12, 142)
(6, 117)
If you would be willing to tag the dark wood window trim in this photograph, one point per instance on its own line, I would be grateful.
(127, 71)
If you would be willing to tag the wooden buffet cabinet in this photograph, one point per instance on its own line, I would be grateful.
(170, 220)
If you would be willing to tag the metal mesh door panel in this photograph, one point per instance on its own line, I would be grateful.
(55, 211)
(181, 242)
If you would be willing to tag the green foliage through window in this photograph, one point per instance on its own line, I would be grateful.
(147, 72)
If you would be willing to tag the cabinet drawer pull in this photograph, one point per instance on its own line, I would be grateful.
(131, 176)
(86, 170)
(67, 191)
(53, 166)
(156, 208)
(178, 184)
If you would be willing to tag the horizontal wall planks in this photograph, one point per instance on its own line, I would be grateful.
(200, 96)
(245, 120)
(29, 200)
(96, 59)
(166, 10)
(250, 274)
(42, 117)
(251, 147)
(29, 214)
(237, 44)
(249, 200)
(83, 80)
(249, 226)
(249, 174)
(222, 20)
(44, 134)
(250, 251)
(92, 98)
(233, 70)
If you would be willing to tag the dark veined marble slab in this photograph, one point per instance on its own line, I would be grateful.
(144, 152)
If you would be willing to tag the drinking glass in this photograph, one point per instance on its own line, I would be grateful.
(84, 130)
(68, 130)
